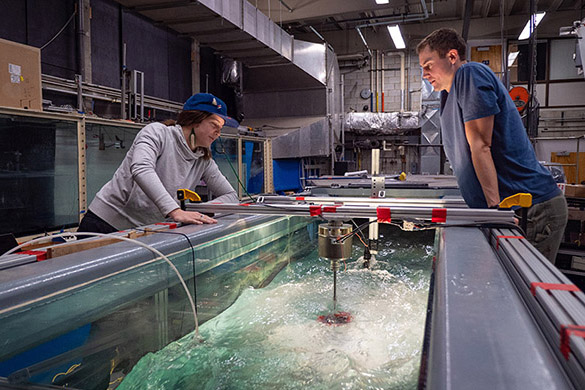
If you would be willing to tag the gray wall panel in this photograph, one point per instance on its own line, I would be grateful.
(45, 19)
(146, 48)
(105, 47)
(163, 56)
(285, 104)
(12, 20)
(179, 76)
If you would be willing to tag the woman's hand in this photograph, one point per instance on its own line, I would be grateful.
(179, 215)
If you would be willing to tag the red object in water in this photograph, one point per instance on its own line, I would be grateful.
(338, 318)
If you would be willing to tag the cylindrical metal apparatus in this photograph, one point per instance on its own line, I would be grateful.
(335, 246)
(329, 246)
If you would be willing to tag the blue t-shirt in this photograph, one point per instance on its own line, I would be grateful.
(476, 93)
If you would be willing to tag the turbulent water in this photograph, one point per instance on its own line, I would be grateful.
(270, 338)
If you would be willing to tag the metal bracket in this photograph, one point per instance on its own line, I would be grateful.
(378, 186)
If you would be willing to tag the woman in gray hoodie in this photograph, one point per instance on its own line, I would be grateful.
(161, 160)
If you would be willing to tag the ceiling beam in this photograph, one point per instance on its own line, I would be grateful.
(467, 19)
(554, 6)
(192, 19)
(334, 21)
(509, 5)
(486, 8)
(163, 5)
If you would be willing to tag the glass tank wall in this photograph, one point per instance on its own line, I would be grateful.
(259, 293)
(38, 174)
(46, 183)
(225, 153)
(106, 148)
(83, 329)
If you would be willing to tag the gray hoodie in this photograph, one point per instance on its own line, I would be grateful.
(144, 187)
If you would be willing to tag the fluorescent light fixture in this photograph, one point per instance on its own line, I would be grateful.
(382, 1)
(396, 36)
(525, 34)
(512, 57)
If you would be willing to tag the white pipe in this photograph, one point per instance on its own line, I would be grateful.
(375, 162)
(371, 83)
(373, 234)
(402, 75)
(382, 97)
(402, 81)
(376, 52)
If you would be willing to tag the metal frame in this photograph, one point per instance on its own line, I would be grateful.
(480, 332)
(554, 309)
(349, 211)
(81, 167)
(81, 121)
(406, 202)
(268, 167)
(267, 152)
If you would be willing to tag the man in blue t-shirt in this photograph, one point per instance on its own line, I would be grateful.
(485, 140)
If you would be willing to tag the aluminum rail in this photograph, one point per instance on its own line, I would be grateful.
(556, 303)
(101, 92)
(450, 203)
(480, 333)
(384, 214)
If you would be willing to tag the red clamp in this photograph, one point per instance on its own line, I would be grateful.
(498, 239)
(41, 255)
(439, 215)
(566, 332)
(245, 204)
(330, 209)
(383, 214)
(315, 210)
(300, 198)
(171, 225)
(552, 286)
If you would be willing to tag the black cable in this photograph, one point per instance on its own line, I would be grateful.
(192, 255)
(60, 31)
(356, 225)
(358, 229)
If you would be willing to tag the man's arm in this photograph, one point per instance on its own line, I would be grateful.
(479, 136)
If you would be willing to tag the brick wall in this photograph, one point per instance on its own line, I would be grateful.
(357, 80)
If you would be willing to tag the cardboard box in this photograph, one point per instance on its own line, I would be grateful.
(20, 76)
(575, 191)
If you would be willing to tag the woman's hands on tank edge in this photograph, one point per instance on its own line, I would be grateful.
(179, 215)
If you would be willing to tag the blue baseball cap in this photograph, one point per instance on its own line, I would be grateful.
(209, 103)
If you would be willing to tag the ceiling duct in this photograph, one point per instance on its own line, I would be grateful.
(236, 29)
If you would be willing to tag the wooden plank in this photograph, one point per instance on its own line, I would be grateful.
(82, 245)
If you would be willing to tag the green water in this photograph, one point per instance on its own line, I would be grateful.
(270, 339)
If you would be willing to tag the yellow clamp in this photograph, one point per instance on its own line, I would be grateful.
(184, 194)
(402, 176)
(520, 199)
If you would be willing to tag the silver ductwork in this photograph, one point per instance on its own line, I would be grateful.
(381, 122)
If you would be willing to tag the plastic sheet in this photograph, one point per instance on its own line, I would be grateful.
(271, 337)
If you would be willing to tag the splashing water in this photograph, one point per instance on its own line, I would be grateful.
(270, 338)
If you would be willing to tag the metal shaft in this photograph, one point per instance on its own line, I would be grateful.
(334, 290)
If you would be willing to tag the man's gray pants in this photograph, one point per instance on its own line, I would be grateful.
(546, 225)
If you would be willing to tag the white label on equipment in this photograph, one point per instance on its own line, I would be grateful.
(14, 69)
